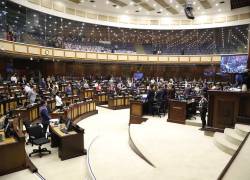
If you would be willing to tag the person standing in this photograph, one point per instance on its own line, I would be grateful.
(203, 104)
(32, 95)
(44, 113)
(59, 102)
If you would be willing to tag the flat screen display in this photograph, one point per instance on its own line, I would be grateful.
(138, 75)
(233, 63)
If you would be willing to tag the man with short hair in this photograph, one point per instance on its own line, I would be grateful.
(44, 115)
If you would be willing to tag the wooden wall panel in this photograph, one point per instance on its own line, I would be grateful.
(163, 58)
(184, 59)
(195, 59)
(6, 46)
(20, 48)
(102, 56)
(91, 55)
(206, 59)
(34, 50)
(142, 58)
(153, 58)
(122, 57)
(70, 54)
(173, 59)
(132, 58)
(59, 53)
(81, 55)
(47, 52)
(112, 57)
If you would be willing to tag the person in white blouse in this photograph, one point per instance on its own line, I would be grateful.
(59, 102)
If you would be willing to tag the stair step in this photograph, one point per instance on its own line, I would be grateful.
(232, 136)
(242, 129)
(223, 144)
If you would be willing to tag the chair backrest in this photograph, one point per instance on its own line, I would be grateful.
(36, 131)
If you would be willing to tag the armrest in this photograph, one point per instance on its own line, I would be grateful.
(32, 137)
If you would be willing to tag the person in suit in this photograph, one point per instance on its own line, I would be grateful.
(44, 113)
(187, 91)
(43, 83)
(203, 104)
(150, 99)
(68, 90)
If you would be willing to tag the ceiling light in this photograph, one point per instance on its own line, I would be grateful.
(107, 2)
(131, 3)
(154, 5)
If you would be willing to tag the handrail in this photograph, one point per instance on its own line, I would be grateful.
(49, 53)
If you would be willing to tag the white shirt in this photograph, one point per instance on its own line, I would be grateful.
(59, 101)
(27, 88)
(13, 79)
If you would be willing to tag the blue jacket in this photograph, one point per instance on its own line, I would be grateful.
(44, 115)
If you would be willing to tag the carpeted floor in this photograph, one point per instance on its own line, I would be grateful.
(178, 152)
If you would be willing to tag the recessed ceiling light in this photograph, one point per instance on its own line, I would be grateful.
(107, 2)
(154, 5)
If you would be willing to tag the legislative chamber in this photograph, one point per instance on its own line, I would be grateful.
(124, 89)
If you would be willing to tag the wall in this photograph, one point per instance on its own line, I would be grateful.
(25, 66)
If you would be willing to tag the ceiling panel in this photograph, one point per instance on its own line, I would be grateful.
(147, 6)
(118, 2)
(205, 4)
(239, 3)
(162, 3)
(182, 2)
(75, 1)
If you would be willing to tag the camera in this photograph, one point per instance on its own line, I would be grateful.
(188, 8)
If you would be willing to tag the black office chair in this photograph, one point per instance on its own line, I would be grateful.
(27, 125)
(37, 137)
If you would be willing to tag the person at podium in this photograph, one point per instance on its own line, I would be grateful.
(203, 104)
(150, 98)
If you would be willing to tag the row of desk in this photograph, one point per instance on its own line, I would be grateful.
(119, 102)
(76, 111)
(13, 156)
(72, 144)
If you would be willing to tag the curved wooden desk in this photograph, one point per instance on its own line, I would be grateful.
(77, 111)
(12, 150)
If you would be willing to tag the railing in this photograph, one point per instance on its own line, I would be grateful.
(29, 50)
